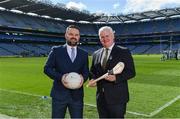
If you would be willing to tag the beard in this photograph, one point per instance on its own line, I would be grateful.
(72, 43)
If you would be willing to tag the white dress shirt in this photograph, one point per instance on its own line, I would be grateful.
(109, 52)
(69, 50)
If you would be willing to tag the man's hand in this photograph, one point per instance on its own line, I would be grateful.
(91, 83)
(82, 81)
(64, 81)
(110, 78)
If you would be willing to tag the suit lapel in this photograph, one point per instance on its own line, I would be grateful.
(77, 55)
(100, 53)
(112, 54)
(66, 56)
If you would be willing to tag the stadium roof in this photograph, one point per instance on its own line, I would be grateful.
(148, 15)
(45, 8)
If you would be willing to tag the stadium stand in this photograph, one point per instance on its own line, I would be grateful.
(25, 31)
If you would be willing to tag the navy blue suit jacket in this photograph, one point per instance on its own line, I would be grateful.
(59, 63)
(115, 92)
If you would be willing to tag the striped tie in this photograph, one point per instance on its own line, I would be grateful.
(105, 58)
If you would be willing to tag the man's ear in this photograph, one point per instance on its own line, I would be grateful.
(65, 35)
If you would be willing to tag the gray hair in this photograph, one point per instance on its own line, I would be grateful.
(106, 28)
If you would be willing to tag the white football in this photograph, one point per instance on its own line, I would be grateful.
(73, 80)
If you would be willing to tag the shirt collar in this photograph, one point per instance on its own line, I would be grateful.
(69, 47)
(110, 48)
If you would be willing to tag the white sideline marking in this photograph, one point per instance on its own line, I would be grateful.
(90, 105)
(164, 106)
(135, 113)
(19, 92)
(3, 116)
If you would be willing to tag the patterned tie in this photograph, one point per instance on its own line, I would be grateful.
(72, 54)
(105, 58)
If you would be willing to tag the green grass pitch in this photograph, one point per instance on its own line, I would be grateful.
(154, 92)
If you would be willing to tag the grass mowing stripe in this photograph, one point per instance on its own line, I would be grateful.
(91, 105)
(130, 112)
(164, 106)
(136, 113)
(3, 116)
(20, 92)
(158, 110)
(144, 98)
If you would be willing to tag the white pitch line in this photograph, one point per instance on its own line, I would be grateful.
(35, 95)
(20, 92)
(164, 106)
(3, 116)
(90, 105)
(130, 112)
(152, 113)
(137, 113)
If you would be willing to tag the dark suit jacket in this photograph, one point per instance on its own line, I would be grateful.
(115, 92)
(59, 63)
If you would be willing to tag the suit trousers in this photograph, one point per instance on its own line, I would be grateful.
(59, 108)
(109, 110)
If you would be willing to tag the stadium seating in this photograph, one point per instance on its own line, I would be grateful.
(140, 37)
